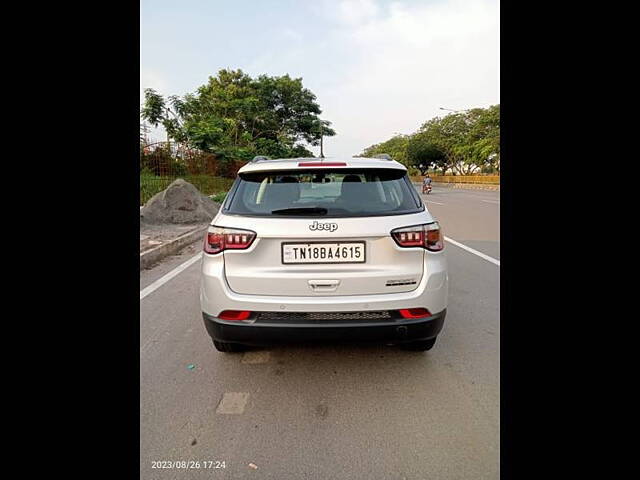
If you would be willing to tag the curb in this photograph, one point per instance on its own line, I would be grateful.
(156, 254)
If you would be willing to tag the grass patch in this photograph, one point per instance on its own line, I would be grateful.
(219, 197)
(207, 184)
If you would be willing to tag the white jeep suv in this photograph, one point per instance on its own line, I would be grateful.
(310, 249)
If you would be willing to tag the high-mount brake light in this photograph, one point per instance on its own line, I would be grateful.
(322, 164)
(219, 239)
(428, 236)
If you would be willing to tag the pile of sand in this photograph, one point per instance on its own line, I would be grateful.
(181, 202)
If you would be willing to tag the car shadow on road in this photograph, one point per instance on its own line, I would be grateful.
(348, 361)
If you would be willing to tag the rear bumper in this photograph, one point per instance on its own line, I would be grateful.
(430, 293)
(260, 334)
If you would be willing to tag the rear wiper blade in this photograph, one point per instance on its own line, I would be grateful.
(301, 211)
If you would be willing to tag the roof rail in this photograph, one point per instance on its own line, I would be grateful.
(260, 158)
(383, 156)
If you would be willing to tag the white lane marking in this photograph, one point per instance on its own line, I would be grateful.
(470, 195)
(475, 252)
(232, 403)
(462, 197)
(430, 201)
(490, 201)
(162, 280)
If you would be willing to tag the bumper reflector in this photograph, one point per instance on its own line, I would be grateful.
(234, 315)
(415, 313)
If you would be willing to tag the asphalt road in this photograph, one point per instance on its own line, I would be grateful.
(323, 412)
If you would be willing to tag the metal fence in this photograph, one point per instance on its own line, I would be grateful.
(163, 162)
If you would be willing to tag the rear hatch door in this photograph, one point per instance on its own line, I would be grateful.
(294, 257)
(324, 232)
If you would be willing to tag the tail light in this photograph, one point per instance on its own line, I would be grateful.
(428, 236)
(234, 315)
(219, 239)
(415, 313)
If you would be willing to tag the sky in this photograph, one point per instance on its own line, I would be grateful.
(378, 68)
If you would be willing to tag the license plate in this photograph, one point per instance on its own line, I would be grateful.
(316, 252)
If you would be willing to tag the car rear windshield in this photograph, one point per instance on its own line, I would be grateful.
(325, 193)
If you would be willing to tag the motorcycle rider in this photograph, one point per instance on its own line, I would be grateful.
(426, 183)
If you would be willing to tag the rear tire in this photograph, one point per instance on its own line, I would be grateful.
(419, 345)
(228, 347)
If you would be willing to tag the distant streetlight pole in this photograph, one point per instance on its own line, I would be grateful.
(321, 139)
(454, 111)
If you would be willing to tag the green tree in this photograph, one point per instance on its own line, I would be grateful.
(463, 142)
(485, 138)
(396, 147)
(447, 135)
(469, 140)
(423, 154)
(235, 116)
(288, 112)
